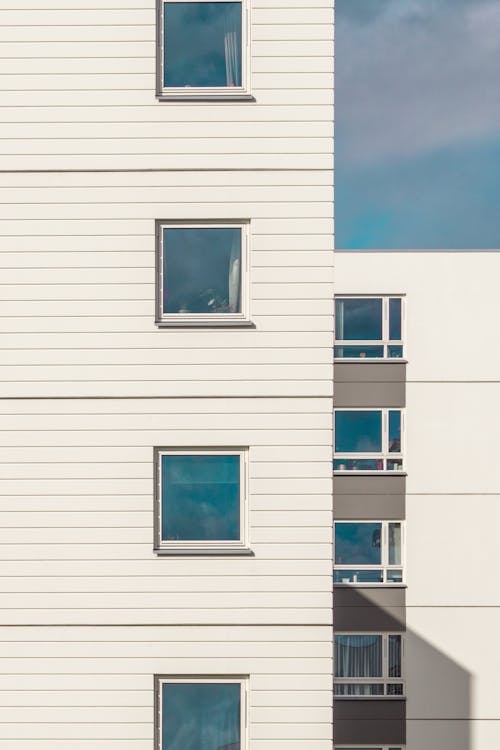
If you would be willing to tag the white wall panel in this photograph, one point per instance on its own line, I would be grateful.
(451, 650)
(451, 307)
(452, 440)
(452, 543)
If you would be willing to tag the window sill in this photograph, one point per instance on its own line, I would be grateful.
(204, 552)
(372, 360)
(381, 473)
(205, 98)
(369, 697)
(205, 324)
(370, 585)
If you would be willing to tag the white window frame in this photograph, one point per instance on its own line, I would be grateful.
(369, 747)
(385, 341)
(384, 567)
(242, 680)
(205, 319)
(385, 680)
(384, 455)
(222, 546)
(205, 92)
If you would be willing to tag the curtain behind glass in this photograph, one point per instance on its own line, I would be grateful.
(394, 656)
(394, 544)
(358, 656)
(235, 274)
(339, 319)
(232, 43)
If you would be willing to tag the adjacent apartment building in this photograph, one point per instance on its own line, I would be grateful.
(172, 399)
(420, 388)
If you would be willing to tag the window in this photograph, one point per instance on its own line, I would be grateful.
(368, 440)
(368, 552)
(194, 713)
(203, 49)
(368, 664)
(202, 274)
(368, 327)
(201, 500)
(368, 747)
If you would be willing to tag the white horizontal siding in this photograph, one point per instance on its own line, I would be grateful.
(306, 189)
(256, 160)
(77, 81)
(74, 500)
(151, 112)
(193, 178)
(142, 4)
(103, 229)
(65, 71)
(135, 67)
(86, 686)
(193, 146)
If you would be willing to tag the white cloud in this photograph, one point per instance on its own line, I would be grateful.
(416, 76)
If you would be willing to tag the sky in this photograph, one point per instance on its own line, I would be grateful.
(417, 124)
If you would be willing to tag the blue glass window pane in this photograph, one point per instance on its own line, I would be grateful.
(358, 431)
(200, 498)
(201, 716)
(359, 352)
(202, 44)
(395, 319)
(395, 576)
(394, 351)
(358, 543)
(395, 464)
(201, 270)
(395, 432)
(358, 319)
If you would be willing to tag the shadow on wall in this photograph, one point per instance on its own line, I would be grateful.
(438, 690)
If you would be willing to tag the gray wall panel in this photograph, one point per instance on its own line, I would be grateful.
(370, 372)
(369, 609)
(370, 395)
(367, 497)
(369, 722)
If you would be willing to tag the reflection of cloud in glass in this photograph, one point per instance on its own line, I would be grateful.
(202, 44)
(199, 716)
(200, 498)
(394, 431)
(358, 319)
(417, 124)
(358, 543)
(358, 431)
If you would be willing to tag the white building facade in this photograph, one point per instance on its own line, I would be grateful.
(448, 610)
(119, 161)
(169, 518)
